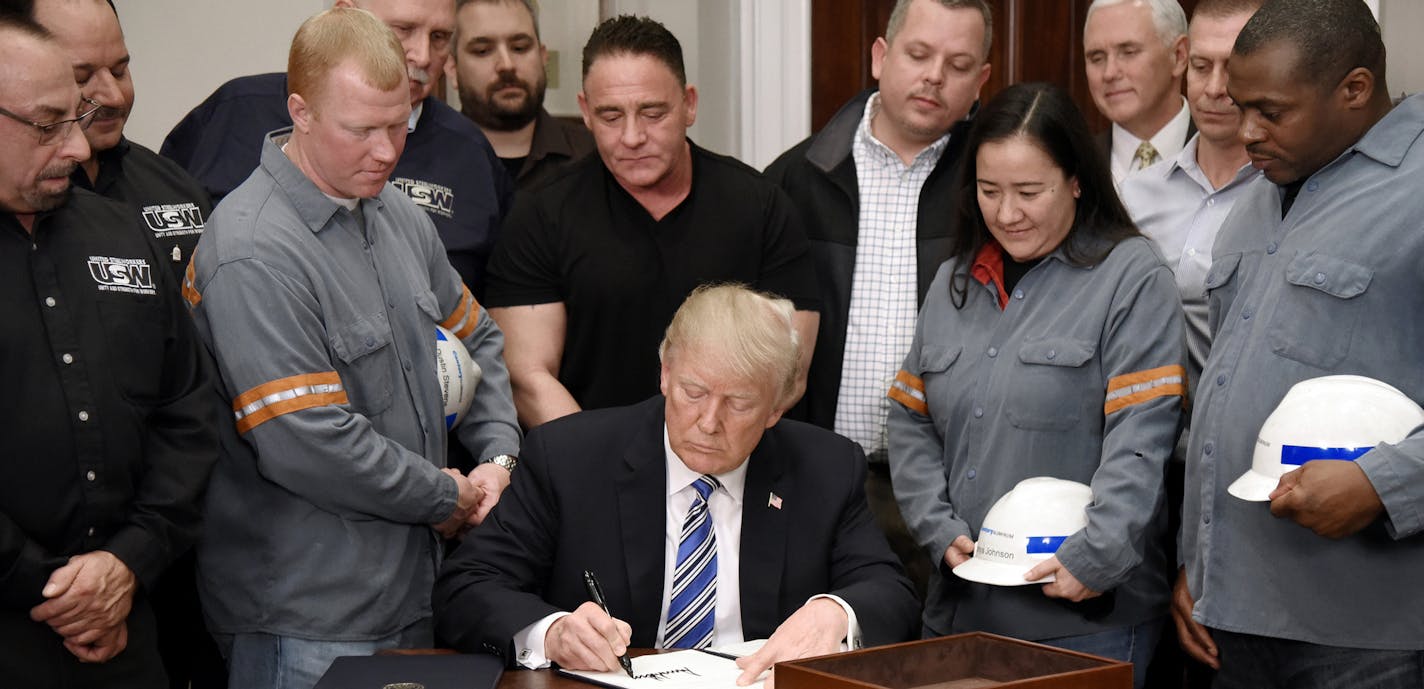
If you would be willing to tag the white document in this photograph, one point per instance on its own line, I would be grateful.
(676, 670)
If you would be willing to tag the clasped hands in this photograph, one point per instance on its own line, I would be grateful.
(88, 604)
(588, 639)
(479, 492)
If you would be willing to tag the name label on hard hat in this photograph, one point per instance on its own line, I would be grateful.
(1296, 455)
(1044, 545)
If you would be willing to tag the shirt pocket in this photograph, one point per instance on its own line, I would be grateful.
(1048, 394)
(363, 348)
(1218, 295)
(430, 306)
(935, 364)
(1315, 318)
(136, 338)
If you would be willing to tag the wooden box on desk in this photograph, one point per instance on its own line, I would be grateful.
(962, 661)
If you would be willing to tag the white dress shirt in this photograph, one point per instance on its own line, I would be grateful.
(1169, 141)
(725, 507)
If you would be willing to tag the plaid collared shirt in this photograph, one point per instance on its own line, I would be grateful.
(883, 300)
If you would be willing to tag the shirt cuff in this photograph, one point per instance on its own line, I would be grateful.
(529, 642)
(851, 641)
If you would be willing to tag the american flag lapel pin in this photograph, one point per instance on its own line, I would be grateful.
(773, 500)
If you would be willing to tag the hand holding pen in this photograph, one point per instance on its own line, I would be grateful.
(589, 639)
(595, 591)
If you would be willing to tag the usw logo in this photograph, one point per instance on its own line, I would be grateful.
(432, 197)
(174, 218)
(132, 275)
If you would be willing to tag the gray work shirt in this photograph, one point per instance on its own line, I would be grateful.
(1336, 287)
(1079, 377)
(1175, 205)
(318, 513)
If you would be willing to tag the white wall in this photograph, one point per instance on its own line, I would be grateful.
(183, 49)
(1402, 22)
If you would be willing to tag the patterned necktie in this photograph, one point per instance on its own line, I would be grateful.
(1146, 155)
(692, 612)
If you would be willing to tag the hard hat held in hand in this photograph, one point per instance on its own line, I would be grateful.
(1024, 528)
(1333, 417)
(458, 374)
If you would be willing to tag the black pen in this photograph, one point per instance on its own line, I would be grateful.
(596, 593)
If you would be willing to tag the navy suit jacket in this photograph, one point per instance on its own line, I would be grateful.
(591, 493)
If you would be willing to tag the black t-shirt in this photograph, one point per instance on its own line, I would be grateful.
(169, 202)
(513, 165)
(108, 430)
(584, 241)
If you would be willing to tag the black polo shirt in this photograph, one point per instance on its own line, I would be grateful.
(108, 427)
(621, 275)
(169, 202)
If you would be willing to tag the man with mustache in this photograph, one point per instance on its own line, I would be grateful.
(448, 168)
(318, 288)
(109, 425)
(875, 188)
(171, 203)
(500, 64)
(1181, 202)
(1316, 272)
(1136, 52)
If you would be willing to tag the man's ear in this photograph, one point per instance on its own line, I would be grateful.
(344, 3)
(300, 112)
(1357, 89)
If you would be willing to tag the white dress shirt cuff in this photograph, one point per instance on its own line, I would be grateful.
(852, 638)
(529, 642)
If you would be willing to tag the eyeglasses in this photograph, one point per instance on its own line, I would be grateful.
(57, 131)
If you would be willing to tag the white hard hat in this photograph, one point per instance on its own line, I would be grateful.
(458, 374)
(1024, 528)
(1333, 417)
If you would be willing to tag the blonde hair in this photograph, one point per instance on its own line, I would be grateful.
(331, 38)
(751, 331)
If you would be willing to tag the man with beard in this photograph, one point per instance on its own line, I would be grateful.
(500, 65)
(448, 168)
(109, 428)
(171, 203)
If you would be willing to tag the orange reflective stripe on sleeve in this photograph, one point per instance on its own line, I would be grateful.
(467, 312)
(190, 289)
(1134, 388)
(286, 395)
(909, 390)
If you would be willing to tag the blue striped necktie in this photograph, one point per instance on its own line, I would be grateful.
(692, 612)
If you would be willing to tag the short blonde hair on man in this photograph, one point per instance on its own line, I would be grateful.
(329, 39)
(751, 331)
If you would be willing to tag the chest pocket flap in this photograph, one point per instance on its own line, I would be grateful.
(1057, 352)
(1222, 268)
(362, 347)
(1334, 276)
(937, 358)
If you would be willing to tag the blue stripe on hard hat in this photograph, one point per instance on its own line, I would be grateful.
(450, 421)
(439, 336)
(1296, 455)
(1044, 545)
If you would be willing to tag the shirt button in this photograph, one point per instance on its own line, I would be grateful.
(1191, 252)
(978, 412)
(1211, 202)
(406, 364)
(1206, 519)
(972, 473)
(1018, 294)
(50, 302)
(1320, 278)
(1312, 185)
(1271, 248)
(1245, 314)
(1208, 448)
(1221, 379)
(91, 532)
(370, 342)
(1052, 354)
(83, 415)
(993, 352)
(67, 358)
(90, 476)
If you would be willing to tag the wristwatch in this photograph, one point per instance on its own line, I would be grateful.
(507, 462)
